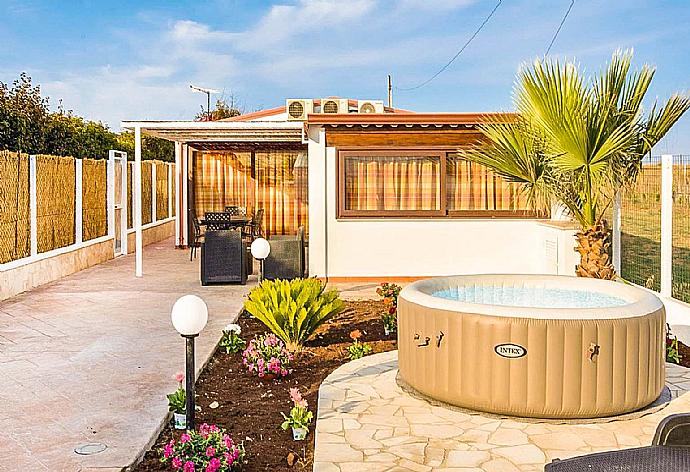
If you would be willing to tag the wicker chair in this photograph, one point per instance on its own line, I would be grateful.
(286, 259)
(255, 227)
(223, 257)
(236, 210)
(197, 237)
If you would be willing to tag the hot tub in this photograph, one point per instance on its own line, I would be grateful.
(532, 345)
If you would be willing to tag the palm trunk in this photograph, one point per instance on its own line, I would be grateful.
(593, 245)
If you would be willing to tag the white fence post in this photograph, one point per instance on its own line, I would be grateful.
(666, 225)
(136, 206)
(110, 193)
(78, 201)
(154, 192)
(170, 187)
(33, 225)
(616, 233)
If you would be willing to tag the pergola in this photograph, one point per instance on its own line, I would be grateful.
(199, 135)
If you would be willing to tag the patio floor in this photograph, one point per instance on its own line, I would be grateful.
(89, 358)
(366, 422)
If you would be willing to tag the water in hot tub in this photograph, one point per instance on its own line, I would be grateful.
(537, 297)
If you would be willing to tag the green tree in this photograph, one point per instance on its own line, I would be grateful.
(23, 116)
(224, 109)
(577, 143)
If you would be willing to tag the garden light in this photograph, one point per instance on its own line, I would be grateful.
(260, 250)
(189, 316)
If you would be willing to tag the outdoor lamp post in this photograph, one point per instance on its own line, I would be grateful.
(260, 250)
(189, 316)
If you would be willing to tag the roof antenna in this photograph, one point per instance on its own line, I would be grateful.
(390, 91)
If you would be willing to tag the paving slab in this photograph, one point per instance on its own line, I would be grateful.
(90, 357)
(386, 428)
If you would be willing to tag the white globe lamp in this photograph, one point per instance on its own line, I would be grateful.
(189, 316)
(260, 249)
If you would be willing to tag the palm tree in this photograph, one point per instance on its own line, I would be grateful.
(576, 144)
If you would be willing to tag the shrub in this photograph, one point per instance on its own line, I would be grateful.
(293, 309)
(672, 350)
(210, 450)
(266, 355)
(231, 341)
(390, 293)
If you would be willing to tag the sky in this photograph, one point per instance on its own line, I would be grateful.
(135, 59)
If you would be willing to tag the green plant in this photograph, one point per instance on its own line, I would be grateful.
(267, 355)
(577, 144)
(390, 293)
(177, 401)
(390, 322)
(672, 351)
(293, 309)
(210, 449)
(357, 350)
(300, 416)
(231, 341)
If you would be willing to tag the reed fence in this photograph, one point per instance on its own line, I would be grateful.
(15, 239)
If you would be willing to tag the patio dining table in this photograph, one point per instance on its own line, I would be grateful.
(230, 223)
(641, 459)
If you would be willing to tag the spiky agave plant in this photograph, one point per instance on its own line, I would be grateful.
(293, 309)
(578, 143)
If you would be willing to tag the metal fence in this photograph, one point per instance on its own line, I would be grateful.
(655, 227)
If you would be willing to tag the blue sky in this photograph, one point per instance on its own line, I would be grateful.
(127, 59)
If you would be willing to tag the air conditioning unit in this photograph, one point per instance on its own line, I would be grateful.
(370, 106)
(335, 105)
(298, 109)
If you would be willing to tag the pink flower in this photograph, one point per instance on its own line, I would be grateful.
(297, 398)
(189, 466)
(229, 458)
(210, 451)
(184, 438)
(213, 428)
(179, 377)
(177, 462)
(204, 429)
(228, 441)
(213, 465)
(167, 451)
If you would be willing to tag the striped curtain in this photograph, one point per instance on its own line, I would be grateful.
(392, 183)
(277, 182)
(471, 186)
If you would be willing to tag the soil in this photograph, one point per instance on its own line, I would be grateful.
(249, 408)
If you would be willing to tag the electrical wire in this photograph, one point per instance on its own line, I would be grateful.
(572, 2)
(467, 43)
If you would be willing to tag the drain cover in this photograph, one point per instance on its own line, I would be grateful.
(90, 448)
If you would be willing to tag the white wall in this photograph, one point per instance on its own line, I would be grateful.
(422, 247)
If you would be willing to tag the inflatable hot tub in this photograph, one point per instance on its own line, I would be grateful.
(532, 345)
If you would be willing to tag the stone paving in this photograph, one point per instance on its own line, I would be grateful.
(367, 423)
(89, 358)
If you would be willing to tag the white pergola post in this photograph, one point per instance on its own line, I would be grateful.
(177, 175)
(666, 225)
(136, 188)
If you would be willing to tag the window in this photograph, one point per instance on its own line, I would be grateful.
(423, 184)
(381, 184)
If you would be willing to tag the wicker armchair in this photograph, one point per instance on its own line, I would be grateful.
(223, 257)
(255, 227)
(286, 259)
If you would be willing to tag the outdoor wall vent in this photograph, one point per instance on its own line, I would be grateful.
(298, 109)
(334, 105)
(370, 106)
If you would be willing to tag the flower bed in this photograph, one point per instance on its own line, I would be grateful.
(249, 408)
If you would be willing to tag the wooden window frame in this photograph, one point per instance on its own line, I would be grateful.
(441, 213)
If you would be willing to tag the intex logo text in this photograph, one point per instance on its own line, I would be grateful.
(511, 351)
